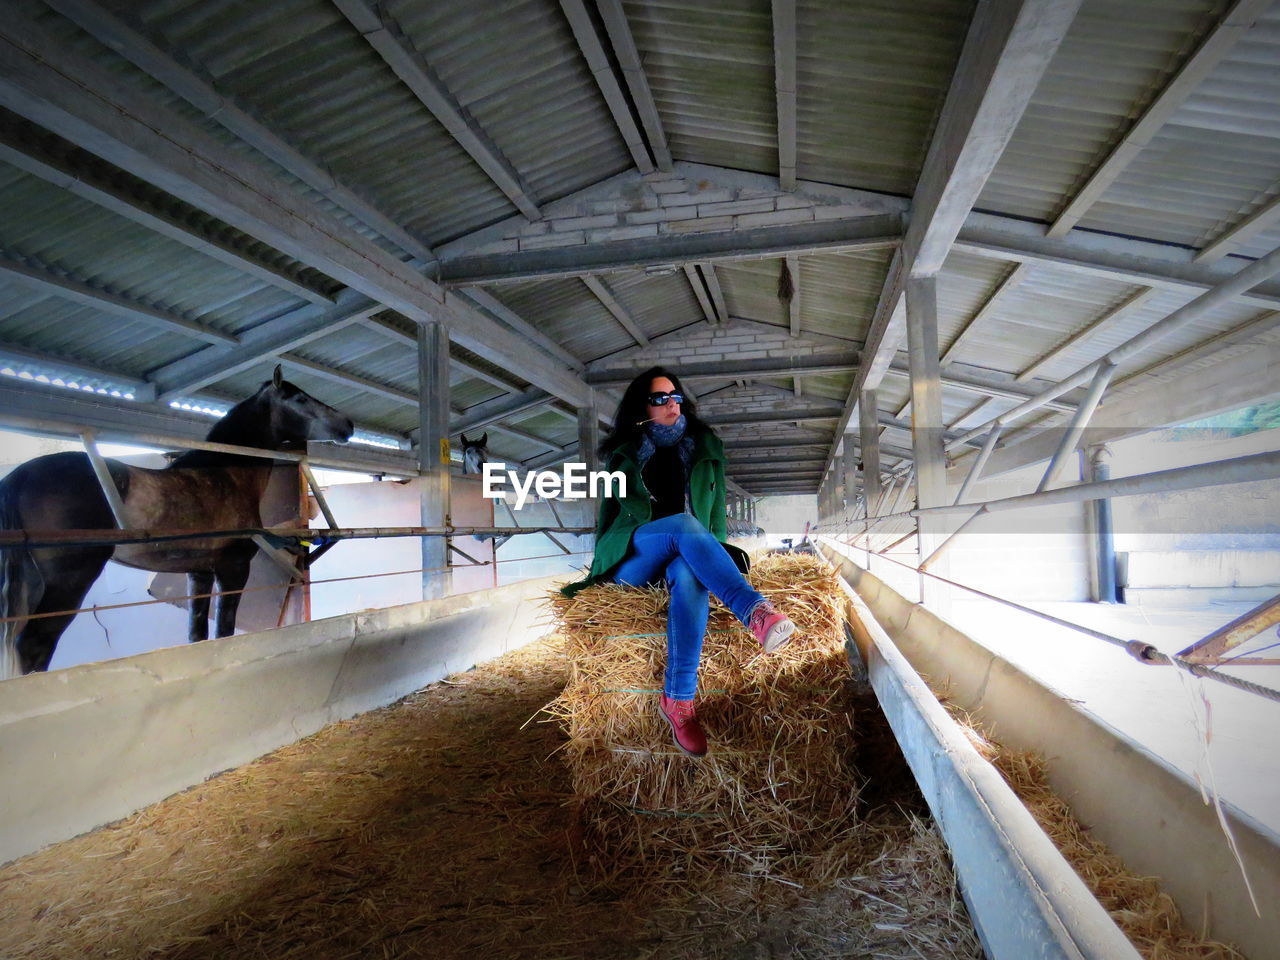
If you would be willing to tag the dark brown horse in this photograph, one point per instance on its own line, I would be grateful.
(199, 490)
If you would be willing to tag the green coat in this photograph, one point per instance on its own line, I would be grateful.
(619, 517)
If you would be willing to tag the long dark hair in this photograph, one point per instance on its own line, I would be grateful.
(633, 410)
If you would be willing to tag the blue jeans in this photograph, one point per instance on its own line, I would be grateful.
(682, 551)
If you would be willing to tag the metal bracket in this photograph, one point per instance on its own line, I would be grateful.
(1212, 649)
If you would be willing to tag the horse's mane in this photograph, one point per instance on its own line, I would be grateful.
(244, 425)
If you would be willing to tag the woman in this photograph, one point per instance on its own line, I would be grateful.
(670, 528)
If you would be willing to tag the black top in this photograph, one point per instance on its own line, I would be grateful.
(665, 480)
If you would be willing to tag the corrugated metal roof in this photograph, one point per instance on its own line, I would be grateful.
(1036, 315)
(871, 77)
(1215, 161)
(1114, 60)
(659, 304)
(709, 64)
(837, 292)
(526, 84)
(55, 326)
(56, 231)
(568, 313)
(964, 285)
(304, 69)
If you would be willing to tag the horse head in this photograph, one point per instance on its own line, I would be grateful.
(474, 453)
(295, 416)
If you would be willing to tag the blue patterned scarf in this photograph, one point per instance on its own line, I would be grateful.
(660, 435)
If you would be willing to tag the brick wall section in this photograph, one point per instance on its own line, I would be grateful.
(735, 340)
(633, 206)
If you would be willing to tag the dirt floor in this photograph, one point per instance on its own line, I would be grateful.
(443, 826)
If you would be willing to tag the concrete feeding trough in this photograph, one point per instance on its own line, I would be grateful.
(91, 744)
(1149, 813)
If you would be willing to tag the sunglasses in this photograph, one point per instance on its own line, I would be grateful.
(660, 399)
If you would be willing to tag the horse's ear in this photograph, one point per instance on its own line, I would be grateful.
(465, 441)
(484, 439)
(277, 378)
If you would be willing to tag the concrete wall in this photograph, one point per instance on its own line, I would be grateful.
(1147, 812)
(394, 504)
(1033, 554)
(91, 744)
(786, 516)
(1197, 546)
(534, 555)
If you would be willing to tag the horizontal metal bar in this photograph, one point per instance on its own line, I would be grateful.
(61, 538)
(379, 462)
(1257, 466)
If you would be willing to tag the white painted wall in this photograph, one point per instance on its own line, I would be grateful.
(786, 516)
(1033, 554)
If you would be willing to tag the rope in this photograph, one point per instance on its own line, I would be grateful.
(1139, 650)
(276, 586)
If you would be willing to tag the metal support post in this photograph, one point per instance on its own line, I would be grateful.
(105, 480)
(849, 463)
(869, 437)
(980, 461)
(926, 417)
(433, 454)
(1102, 555)
(589, 433)
(589, 448)
(316, 492)
(1079, 421)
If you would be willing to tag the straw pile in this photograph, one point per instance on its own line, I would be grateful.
(775, 798)
(439, 827)
(1147, 915)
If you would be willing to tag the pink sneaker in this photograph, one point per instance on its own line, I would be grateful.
(771, 628)
(686, 731)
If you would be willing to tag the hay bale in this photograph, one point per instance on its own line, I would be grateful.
(777, 791)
